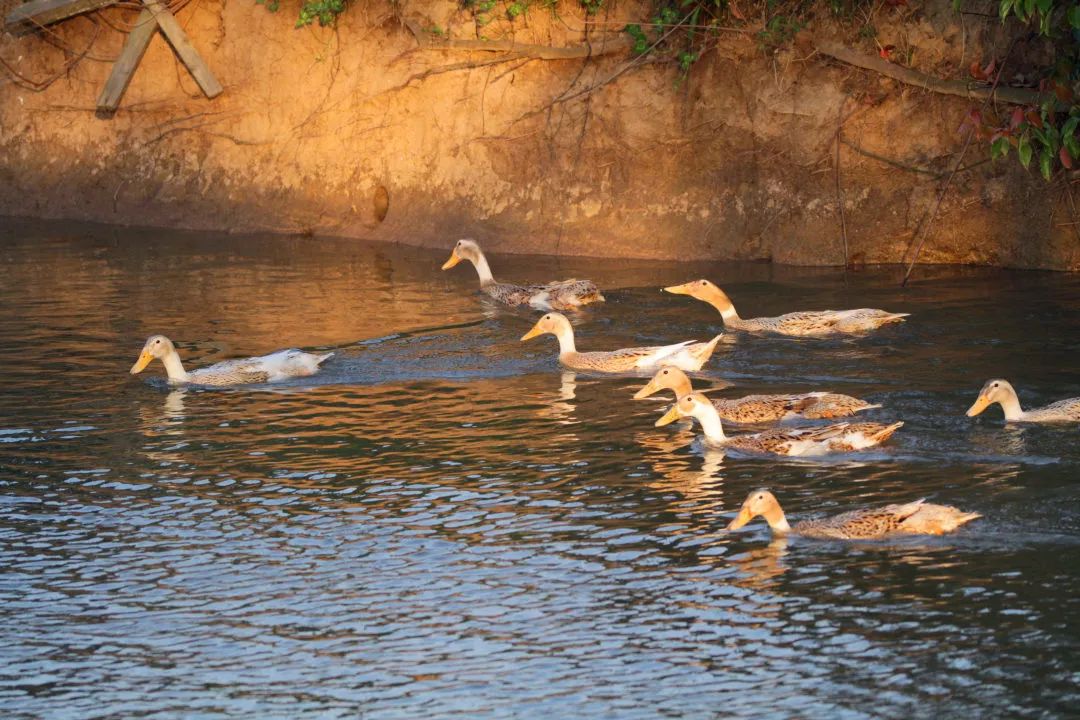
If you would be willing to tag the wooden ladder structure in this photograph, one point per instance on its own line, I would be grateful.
(154, 16)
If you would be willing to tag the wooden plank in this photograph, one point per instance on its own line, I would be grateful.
(134, 49)
(183, 47)
(29, 16)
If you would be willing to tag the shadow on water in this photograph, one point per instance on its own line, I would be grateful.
(444, 523)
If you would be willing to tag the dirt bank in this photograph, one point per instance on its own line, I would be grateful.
(360, 131)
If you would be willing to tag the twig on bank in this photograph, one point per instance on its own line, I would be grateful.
(904, 166)
(836, 175)
(638, 61)
(540, 52)
(956, 168)
(40, 85)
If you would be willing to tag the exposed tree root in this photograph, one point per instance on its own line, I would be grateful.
(960, 88)
(429, 41)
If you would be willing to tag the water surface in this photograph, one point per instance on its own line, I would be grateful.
(445, 524)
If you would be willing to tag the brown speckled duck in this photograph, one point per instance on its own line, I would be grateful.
(799, 441)
(558, 295)
(809, 323)
(914, 518)
(1001, 392)
(687, 355)
(266, 368)
(760, 408)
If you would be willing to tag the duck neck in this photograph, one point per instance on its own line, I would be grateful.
(566, 341)
(1011, 406)
(681, 386)
(723, 306)
(777, 520)
(710, 423)
(174, 367)
(483, 269)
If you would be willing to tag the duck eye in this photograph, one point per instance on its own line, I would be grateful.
(995, 384)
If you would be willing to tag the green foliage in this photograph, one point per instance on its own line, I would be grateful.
(271, 5)
(641, 40)
(778, 31)
(1044, 132)
(1042, 12)
(679, 29)
(325, 11)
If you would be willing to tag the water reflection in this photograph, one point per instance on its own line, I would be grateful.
(759, 568)
(445, 523)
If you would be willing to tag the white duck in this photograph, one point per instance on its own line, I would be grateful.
(1001, 392)
(687, 355)
(266, 368)
(819, 440)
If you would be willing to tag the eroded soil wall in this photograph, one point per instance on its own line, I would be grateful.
(361, 131)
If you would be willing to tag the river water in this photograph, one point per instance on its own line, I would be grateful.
(443, 524)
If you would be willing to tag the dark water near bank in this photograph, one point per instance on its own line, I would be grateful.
(444, 524)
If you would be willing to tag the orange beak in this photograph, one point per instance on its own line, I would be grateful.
(454, 260)
(981, 403)
(669, 417)
(652, 387)
(140, 364)
(741, 519)
(532, 333)
(684, 289)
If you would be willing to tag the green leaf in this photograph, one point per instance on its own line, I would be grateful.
(1044, 6)
(1044, 163)
(1024, 151)
(1074, 16)
(1069, 128)
(1006, 6)
(999, 148)
(1072, 145)
(1053, 137)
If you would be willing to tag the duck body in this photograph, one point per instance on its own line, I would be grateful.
(756, 409)
(815, 323)
(811, 441)
(769, 408)
(558, 295)
(1002, 392)
(274, 367)
(686, 355)
(793, 442)
(914, 518)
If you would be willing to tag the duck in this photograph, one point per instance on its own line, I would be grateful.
(802, 324)
(760, 408)
(913, 518)
(1002, 392)
(558, 295)
(266, 368)
(687, 355)
(798, 441)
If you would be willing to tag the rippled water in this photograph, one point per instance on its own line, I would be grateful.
(444, 524)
